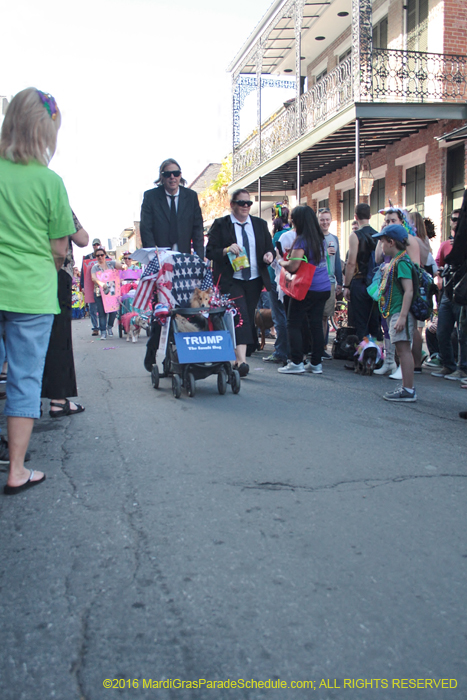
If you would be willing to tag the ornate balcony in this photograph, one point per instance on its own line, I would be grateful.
(393, 76)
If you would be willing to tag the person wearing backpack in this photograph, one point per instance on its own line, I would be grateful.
(395, 300)
(359, 274)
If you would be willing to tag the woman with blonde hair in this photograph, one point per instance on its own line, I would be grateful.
(35, 224)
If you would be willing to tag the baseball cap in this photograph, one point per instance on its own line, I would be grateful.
(394, 231)
(96, 241)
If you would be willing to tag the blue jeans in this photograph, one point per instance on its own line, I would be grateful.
(93, 315)
(280, 323)
(448, 316)
(27, 340)
(105, 320)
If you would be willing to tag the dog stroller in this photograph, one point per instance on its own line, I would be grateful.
(129, 282)
(195, 343)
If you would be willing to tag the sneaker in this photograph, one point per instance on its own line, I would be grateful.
(110, 331)
(417, 370)
(275, 359)
(95, 331)
(434, 362)
(103, 335)
(457, 375)
(326, 356)
(5, 453)
(292, 368)
(315, 369)
(401, 394)
(443, 372)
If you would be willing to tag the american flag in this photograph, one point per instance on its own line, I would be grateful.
(175, 278)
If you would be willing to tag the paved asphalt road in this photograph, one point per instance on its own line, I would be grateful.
(304, 530)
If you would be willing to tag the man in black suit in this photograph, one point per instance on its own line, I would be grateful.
(236, 233)
(170, 213)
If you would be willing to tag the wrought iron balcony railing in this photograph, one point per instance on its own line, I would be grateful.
(412, 76)
(397, 76)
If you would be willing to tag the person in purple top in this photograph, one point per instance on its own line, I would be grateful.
(310, 243)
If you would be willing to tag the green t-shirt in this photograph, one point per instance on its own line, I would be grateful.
(34, 208)
(403, 271)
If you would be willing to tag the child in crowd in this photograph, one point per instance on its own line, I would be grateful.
(396, 294)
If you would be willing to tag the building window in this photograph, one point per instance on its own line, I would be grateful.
(345, 55)
(380, 34)
(455, 182)
(415, 188)
(321, 75)
(417, 25)
(377, 202)
(323, 204)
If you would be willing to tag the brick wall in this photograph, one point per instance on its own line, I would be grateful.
(455, 27)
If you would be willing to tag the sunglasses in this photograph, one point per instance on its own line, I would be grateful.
(454, 218)
(100, 255)
(243, 202)
(324, 210)
(168, 173)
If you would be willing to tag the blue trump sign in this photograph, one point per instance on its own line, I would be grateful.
(205, 346)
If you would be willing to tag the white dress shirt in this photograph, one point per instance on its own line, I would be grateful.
(251, 240)
(169, 202)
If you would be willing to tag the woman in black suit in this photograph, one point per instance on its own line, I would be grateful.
(231, 234)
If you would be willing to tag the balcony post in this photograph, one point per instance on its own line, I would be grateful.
(259, 71)
(362, 38)
(298, 22)
(299, 177)
(357, 161)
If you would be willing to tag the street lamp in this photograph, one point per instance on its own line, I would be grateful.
(366, 178)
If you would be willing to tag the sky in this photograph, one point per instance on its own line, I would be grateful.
(137, 81)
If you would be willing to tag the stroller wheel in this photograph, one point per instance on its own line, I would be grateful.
(235, 381)
(176, 386)
(222, 382)
(155, 376)
(190, 384)
(120, 330)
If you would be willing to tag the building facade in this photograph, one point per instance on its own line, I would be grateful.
(378, 85)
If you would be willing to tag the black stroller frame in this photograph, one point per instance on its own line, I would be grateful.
(185, 375)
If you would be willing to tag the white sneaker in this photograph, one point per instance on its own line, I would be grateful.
(397, 374)
(110, 331)
(104, 335)
(292, 368)
(315, 369)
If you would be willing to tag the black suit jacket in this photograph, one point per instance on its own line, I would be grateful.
(222, 234)
(155, 221)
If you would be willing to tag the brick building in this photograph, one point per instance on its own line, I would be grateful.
(379, 87)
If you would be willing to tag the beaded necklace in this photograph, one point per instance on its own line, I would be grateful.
(387, 285)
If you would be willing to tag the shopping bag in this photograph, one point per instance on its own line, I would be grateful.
(296, 284)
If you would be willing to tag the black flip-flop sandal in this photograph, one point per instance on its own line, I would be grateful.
(12, 490)
(65, 409)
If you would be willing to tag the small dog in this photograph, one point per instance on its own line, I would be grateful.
(263, 321)
(137, 324)
(184, 325)
(367, 354)
(200, 298)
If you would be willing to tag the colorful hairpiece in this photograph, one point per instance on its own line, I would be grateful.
(403, 217)
(49, 103)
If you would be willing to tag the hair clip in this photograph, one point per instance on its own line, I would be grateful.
(49, 103)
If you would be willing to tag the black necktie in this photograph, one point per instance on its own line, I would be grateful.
(173, 234)
(246, 271)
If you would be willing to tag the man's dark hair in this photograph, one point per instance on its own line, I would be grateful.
(236, 193)
(163, 165)
(363, 211)
(455, 211)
